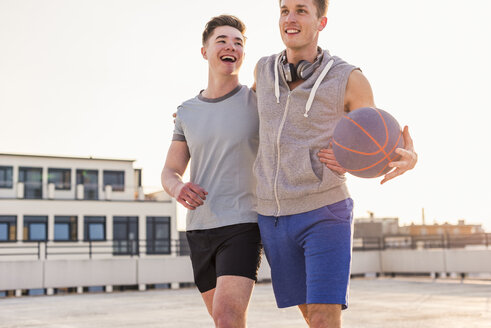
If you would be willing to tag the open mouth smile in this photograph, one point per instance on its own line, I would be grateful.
(292, 31)
(228, 59)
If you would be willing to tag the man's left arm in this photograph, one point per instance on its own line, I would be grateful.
(359, 94)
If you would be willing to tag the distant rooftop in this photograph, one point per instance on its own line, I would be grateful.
(68, 157)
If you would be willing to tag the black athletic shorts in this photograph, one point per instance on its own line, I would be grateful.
(231, 250)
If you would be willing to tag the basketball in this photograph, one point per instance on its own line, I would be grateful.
(365, 140)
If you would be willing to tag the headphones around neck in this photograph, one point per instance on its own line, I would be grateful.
(302, 71)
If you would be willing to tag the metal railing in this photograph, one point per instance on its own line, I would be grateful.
(478, 240)
(137, 248)
(92, 248)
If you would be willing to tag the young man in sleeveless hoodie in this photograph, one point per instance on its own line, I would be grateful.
(218, 129)
(305, 211)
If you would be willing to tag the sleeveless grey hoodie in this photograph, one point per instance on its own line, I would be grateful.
(294, 126)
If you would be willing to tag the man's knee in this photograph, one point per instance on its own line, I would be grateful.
(324, 315)
(231, 300)
(228, 317)
(321, 320)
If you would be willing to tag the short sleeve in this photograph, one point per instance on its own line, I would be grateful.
(178, 134)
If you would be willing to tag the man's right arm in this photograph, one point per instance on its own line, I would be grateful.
(188, 194)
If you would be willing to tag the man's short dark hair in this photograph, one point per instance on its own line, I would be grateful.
(321, 6)
(222, 20)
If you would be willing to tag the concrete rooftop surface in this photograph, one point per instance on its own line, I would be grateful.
(374, 303)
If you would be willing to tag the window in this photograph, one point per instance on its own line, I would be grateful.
(89, 179)
(32, 179)
(114, 179)
(8, 228)
(61, 178)
(94, 228)
(125, 230)
(138, 177)
(158, 235)
(35, 228)
(6, 177)
(65, 228)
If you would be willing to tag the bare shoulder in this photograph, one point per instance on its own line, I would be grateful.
(357, 80)
(358, 92)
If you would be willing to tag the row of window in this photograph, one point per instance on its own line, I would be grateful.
(65, 228)
(32, 178)
(125, 231)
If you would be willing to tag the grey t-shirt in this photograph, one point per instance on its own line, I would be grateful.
(222, 137)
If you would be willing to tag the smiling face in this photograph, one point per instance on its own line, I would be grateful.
(300, 24)
(224, 50)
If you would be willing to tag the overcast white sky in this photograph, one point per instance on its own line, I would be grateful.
(102, 78)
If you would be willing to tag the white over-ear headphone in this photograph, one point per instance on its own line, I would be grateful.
(303, 70)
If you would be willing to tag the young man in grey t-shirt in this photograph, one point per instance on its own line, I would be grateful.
(218, 130)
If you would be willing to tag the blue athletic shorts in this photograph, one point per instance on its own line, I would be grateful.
(310, 254)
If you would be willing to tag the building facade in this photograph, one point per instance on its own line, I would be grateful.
(56, 203)
(373, 227)
(461, 228)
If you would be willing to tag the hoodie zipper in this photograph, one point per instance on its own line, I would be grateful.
(275, 186)
(308, 105)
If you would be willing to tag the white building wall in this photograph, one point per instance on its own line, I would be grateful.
(65, 203)
(46, 162)
(81, 208)
(160, 270)
(413, 261)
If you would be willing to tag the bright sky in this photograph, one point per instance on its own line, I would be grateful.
(102, 78)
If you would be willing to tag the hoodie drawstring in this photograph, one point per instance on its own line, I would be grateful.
(316, 86)
(276, 80)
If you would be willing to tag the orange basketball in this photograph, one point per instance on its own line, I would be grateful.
(365, 140)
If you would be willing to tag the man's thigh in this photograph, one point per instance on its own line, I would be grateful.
(328, 255)
(240, 253)
(231, 250)
(286, 260)
(310, 254)
(232, 294)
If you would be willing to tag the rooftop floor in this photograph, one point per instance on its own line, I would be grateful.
(374, 303)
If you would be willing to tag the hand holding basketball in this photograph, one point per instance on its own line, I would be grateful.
(364, 142)
(368, 143)
(408, 160)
